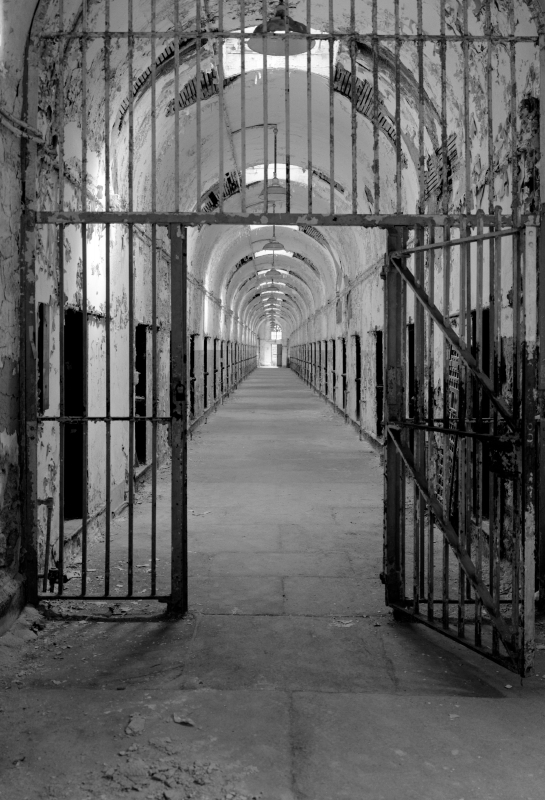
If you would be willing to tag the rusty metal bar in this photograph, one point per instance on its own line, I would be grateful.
(421, 101)
(198, 112)
(481, 237)
(498, 498)
(85, 411)
(265, 113)
(155, 408)
(353, 99)
(221, 120)
(194, 218)
(399, 164)
(419, 509)
(331, 45)
(130, 555)
(444, 121)
(62, 403)
(287, 111)
(153, 110)
(455, 542)
(85, 332)
(466, 118)
(107, 344)
(430, 381)
(309, 111)
(477, 445)
(242, 112)
(464, 531)
(341, 35)
(178, 601)
(455, 341)
(376, 106)
(176, 43)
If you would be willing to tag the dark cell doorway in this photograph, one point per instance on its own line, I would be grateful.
(140, 393)
(74, 407)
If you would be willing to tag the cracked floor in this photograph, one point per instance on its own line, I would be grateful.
(289, 679)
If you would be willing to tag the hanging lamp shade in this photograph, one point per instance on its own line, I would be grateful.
(272, 245)
(275, 191)
(276, 43)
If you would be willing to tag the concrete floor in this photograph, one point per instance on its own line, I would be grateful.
(297, 681)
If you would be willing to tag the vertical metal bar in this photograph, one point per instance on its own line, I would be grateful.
(489, 112)
(529, 445)
(85, 343)
(177, 111)
(419, 436)
(153, 110)
(394, 410)
(287, 112)
(221, 120)
(62, 403)
(179, 389)
(444, 139)
(462, 416)
(309, 112)
(108, 409)
(130, 554)
(477, 414)
(448, 467)
(130, 560)
(331, 45)
(431, 451)
(399, 164)
(243, 112)
(376, 107)
(421, 98)
(467, 140)
(496, 541)
(265, 114)
(198, 87)
(353, 115)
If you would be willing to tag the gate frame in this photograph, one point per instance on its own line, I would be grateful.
(519, 642)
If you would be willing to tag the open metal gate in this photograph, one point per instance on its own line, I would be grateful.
(461, 433)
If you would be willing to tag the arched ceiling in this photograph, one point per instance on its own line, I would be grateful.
(228, 259)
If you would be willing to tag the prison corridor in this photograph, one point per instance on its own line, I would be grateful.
(289, 678)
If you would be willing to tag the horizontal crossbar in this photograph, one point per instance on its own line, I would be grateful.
(260, 218)
(425, 248)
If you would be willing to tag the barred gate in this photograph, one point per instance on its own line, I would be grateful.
(461, 434)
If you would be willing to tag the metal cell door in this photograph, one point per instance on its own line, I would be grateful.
(460, 483)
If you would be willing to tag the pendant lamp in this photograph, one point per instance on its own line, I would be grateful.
(279, 25)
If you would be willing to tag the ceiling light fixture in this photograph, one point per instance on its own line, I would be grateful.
(281, 25)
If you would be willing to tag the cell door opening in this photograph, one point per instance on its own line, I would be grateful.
(74, 404)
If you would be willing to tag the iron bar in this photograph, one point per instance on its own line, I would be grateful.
(336, 35)
(455, 341)
(309, 112)
(287, 112)
(242, 112)
(331, 44)
(376, 106)
(221, 120)
(194, 219)
(179, 391)
(455, 542)
(177, 33)
(107, 303)
(198, 113)
(353, 101)
(155, 409)
(265, 113)
(430, 381)
(480, 237)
